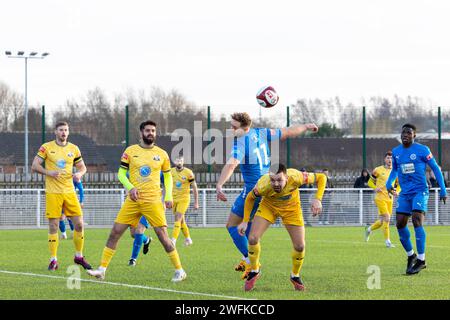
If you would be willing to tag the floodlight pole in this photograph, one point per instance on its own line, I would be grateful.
(25, 57)
(26, 120)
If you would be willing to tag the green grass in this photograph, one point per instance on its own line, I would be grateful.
(335, 267)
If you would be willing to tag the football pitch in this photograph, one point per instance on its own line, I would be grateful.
(339, 264)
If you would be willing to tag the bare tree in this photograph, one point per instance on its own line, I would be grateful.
(11, 108)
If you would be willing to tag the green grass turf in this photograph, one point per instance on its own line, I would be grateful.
(335, 267)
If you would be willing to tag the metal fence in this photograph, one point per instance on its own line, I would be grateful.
(25, 208)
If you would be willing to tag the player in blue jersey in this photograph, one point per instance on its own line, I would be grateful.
(251, 151)
(62, 222)
(409, 162)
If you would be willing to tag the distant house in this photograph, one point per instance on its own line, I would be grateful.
(337, 154)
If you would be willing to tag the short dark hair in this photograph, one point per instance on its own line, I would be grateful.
(60, 124)
(146, 123)
(389, 153)
(326, 169)
(409, 125)
(277, 168)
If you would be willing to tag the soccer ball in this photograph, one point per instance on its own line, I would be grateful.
(267, 97)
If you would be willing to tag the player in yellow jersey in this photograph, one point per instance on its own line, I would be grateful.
(59, 157)
(280, 198)
(144, 161)
(183, 178)
(383, 199)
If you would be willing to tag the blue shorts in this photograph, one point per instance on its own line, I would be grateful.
(408, 203)
(144, 222)
(238, 205)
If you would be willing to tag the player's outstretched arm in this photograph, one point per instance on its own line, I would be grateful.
(372, 182)
(168, 187)
(122, 174)
(248, 206)
(439, 177)
(316, 203)
(392, 177)
(195, 190)
(226, 173)
(81, 170)
(296, 130)
(36, 166)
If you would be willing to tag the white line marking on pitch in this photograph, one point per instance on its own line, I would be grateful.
(126, 285)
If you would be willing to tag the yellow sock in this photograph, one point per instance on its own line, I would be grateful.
(106, 257)
(386, 230)
(78, 241)
(376, 225)
(176, 229)
(53, 244)
(185, 230)
(253, 253)
(175, 259)
(297, 261)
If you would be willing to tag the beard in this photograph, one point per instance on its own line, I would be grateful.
(148, 140)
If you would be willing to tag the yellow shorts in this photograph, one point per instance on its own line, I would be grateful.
(131, 212)
(56, 202)
(384, 206)
(180, 206)
(289, 217)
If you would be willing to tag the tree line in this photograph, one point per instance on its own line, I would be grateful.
(103, 120)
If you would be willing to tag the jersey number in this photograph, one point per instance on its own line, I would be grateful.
(258, 151)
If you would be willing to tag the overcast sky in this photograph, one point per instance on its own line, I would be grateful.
(220, 53)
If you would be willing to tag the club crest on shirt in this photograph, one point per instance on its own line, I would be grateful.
(61, 163)
(254, 138)
(144, 171)
(70, 154)
(156, 158)
(183, 178)
(413, 156)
